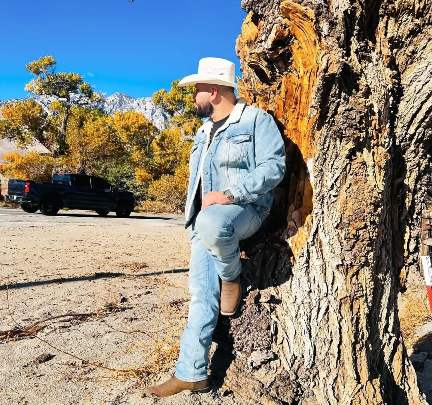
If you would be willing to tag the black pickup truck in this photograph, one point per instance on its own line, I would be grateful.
(69, 191)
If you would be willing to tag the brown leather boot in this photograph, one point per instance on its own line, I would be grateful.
(230, 296)
(174, 386)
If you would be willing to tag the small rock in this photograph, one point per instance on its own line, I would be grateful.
(123, 298)
(43, 358)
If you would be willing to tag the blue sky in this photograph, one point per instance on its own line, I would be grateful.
(134, 48)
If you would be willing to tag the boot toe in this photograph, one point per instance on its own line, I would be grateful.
(174, 386)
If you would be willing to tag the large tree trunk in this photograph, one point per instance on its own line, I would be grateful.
(350, 85)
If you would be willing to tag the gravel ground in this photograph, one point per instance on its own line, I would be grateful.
(91, 308)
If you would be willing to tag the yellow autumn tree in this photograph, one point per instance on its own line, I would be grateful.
(170, 149)
(171, 189)
(90, 138)
(176, 101)
(24, 121)
(66, 89)
(136, 133)
(31, 165)
(125, 148)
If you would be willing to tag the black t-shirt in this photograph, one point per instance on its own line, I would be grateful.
(216, 125)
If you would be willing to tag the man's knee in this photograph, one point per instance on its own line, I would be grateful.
(212, 227)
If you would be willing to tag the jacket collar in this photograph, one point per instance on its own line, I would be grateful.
(234, 117)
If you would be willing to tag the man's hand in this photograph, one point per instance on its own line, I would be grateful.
(215, 197)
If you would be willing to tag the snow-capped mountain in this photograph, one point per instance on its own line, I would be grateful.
(119, 102)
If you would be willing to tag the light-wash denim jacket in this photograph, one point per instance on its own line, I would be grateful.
(246, 156)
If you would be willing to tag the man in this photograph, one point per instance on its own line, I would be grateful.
(237, 158)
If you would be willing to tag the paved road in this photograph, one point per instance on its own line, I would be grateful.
(16, 216)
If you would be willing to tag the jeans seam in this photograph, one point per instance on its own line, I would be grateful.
(257, 218)
(207, 307)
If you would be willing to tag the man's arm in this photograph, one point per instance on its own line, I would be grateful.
(270, 162)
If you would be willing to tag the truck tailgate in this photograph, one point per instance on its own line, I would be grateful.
(15, 190)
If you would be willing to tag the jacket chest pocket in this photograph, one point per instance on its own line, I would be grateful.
(236, 148)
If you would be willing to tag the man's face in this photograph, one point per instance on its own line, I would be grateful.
(202, 100)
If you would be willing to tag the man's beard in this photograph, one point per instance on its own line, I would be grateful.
(204, 111)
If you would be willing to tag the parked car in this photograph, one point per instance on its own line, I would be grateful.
(73, 191)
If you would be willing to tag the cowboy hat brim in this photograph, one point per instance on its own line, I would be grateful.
(197, 78)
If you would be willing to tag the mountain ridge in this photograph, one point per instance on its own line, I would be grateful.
(121, 102)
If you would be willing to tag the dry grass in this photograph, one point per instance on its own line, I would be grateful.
(155, 207)
(414, 312)
(161, 347)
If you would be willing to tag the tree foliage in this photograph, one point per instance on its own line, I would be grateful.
(125, 148)
(64, 90)
(31, 165)
(171, 189)
(177, 100)
(70, 88)
(24, 121)
(171, 148)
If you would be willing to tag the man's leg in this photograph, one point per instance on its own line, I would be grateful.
(215, 237)
(203, 314)
(191, 367)
(220, 228)
(215, 253)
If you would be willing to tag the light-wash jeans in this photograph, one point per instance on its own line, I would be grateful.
(215, 235)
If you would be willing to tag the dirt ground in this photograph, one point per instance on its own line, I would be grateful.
(91, 308)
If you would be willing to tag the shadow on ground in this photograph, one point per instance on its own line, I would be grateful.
(90, 277)
(65, 214)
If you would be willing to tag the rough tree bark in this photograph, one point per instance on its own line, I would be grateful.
(350, 84)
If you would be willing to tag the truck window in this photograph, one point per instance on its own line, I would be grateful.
(61, 179)
(82, 182)
(99, 184)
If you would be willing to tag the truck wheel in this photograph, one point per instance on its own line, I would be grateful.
(102, 213)
(123, 210)
(31, 209)
(49, 207)
(123, 213)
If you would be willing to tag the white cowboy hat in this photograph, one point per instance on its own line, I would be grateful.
(212, 71)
